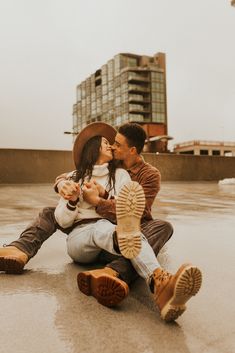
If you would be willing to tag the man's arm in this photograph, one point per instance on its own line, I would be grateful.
(106, 207)
(61, 177)
(149, 179)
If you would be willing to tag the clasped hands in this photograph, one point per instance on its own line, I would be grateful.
(91, 191)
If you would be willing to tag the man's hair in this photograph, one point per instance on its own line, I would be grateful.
(134, 134)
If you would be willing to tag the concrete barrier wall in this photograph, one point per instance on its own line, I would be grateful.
(33, 166)
(192, 168)
(42, 166)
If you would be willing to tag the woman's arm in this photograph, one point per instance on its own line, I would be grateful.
(65, 213)
(67, 210)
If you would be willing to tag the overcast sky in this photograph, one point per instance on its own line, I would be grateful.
(47, 47)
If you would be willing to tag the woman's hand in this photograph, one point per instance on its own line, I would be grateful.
(91, 193)
(100, 188)
(69, 190)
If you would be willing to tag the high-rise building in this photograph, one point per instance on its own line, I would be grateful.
(128, 88)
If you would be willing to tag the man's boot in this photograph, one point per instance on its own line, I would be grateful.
(104, 285)
(12, 260)
(171, 292)
(130, 205)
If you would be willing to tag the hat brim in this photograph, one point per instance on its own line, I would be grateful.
(91, 130)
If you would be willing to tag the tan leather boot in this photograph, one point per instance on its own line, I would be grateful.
(171, 292)
(130, 206)
(104, 285)
(12, 260)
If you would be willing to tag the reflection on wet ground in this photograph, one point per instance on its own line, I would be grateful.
(43, 311)
(207, 199)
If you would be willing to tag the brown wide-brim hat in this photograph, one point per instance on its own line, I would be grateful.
(91, 130)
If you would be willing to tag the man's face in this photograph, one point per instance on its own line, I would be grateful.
(121, 150)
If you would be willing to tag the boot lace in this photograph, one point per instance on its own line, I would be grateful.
(160, 280)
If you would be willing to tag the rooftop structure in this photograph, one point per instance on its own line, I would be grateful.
(207, 148)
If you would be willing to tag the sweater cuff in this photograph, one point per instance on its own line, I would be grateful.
(73, 203)
(102, 202)
(70, 206)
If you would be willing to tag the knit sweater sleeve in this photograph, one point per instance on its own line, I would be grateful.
(149, 178)
(64, 216)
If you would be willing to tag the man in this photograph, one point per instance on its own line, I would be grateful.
(128, 145)
(107, 285)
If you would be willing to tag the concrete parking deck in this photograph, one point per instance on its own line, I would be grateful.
(42, 310)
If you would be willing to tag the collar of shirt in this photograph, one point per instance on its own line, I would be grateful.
(100, 170)
(136, 167)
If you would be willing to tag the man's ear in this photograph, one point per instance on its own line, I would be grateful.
(133, 150)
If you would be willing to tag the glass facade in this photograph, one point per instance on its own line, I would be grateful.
(125, 89)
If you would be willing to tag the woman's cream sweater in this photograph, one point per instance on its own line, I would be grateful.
(66, 217)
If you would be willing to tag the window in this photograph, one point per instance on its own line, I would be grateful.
(159, 97)
(136, 117)
(158, 117)
(228, 153)
(187, 152)
(215, 153)
(132, 62)
(157, 86)
(158, 107)
(157, 76)
(204, 152)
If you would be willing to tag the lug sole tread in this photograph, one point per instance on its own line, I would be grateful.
(11, 265)
(188, 284)
(107, 290)
(129, 209)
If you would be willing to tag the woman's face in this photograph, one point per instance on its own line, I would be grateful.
(106, 154)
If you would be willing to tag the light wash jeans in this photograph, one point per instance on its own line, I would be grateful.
(86, 241)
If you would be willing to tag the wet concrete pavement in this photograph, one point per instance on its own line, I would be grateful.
(43, 311)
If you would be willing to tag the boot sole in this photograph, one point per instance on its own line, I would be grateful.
(130, 205)
(11, 265)
(108, 290)
(187, 285)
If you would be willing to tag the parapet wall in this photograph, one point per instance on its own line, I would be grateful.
(192, 168)
(33, 166)
(42, 166)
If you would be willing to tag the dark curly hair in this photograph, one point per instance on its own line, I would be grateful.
(134, 134)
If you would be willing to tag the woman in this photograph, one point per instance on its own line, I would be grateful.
(96, 170)
(86, 241)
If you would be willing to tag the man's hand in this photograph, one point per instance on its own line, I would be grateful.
(100, 188)
(69, 190)
(91, 193)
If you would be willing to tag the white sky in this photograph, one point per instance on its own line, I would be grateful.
(47, 47)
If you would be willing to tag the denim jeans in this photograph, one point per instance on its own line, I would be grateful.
(157, 233)
(85, 243)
